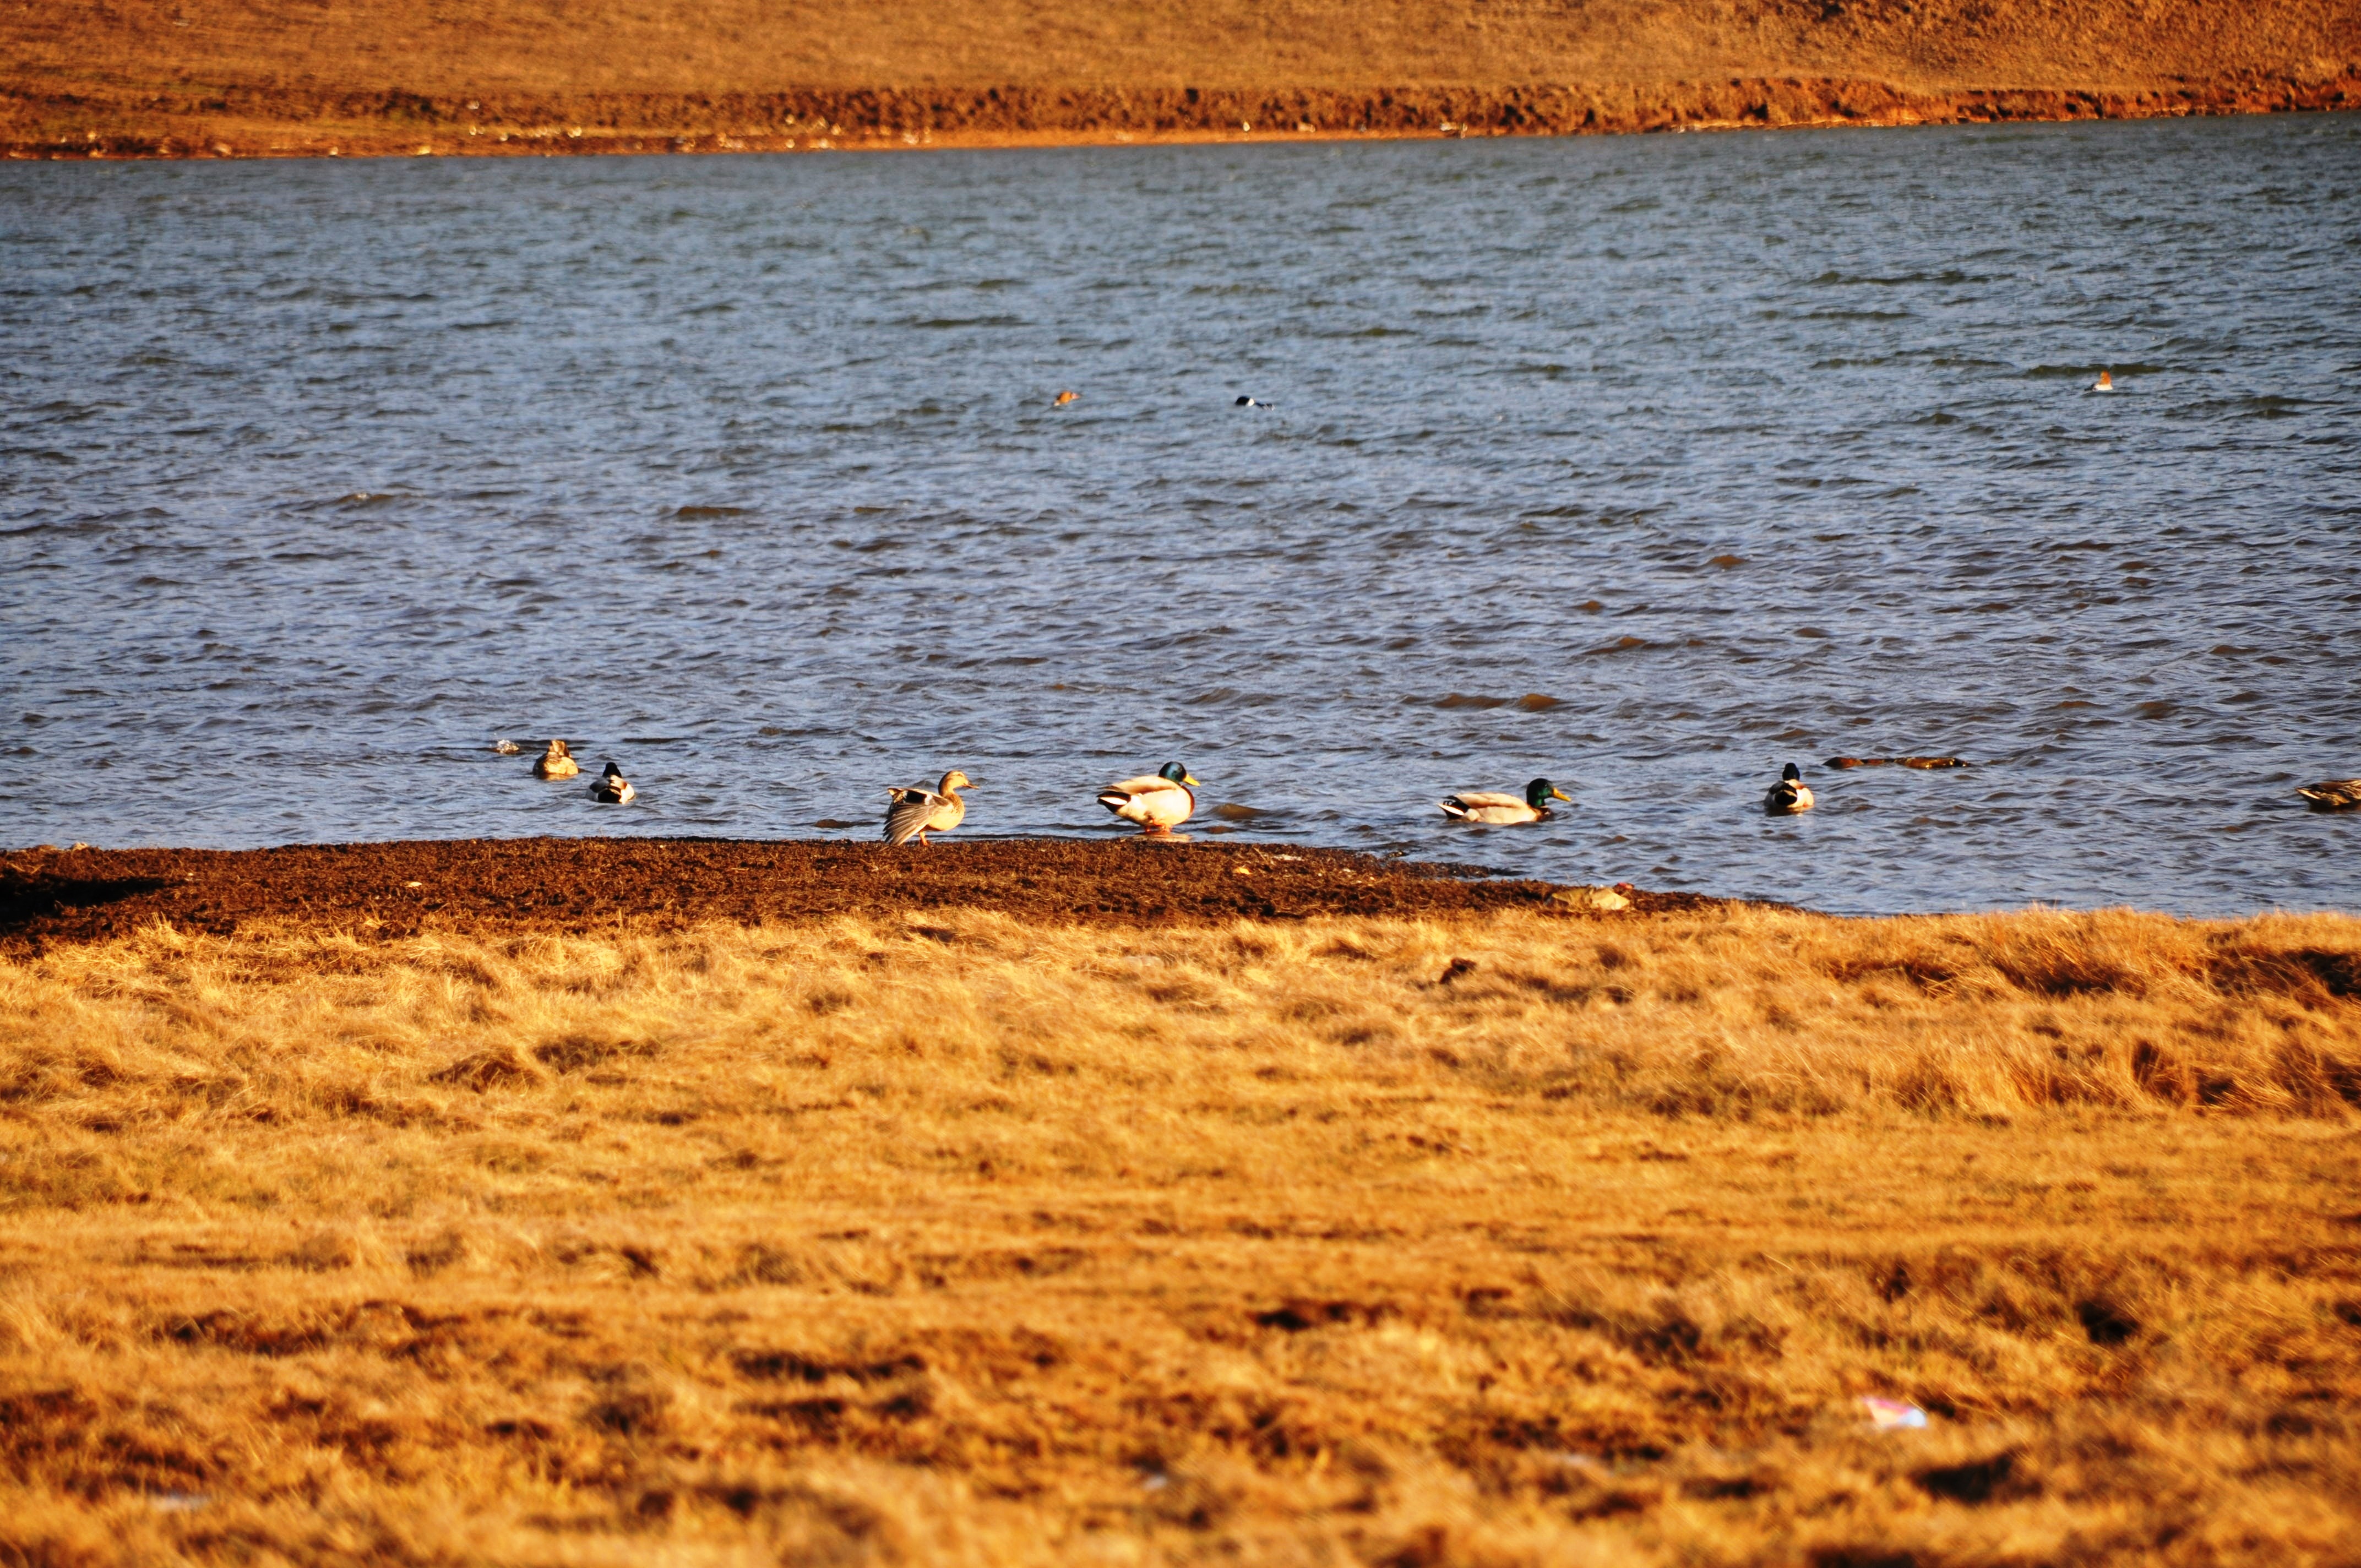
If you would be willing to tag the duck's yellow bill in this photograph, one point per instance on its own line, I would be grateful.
(1561, 795)
(1190, 778)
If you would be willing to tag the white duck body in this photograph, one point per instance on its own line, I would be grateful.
(1489, 805)
(1157, 802)
(613, 788)
(1499, 805)
(1789, 795)
(919, 811)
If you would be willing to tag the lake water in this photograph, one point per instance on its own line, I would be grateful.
(315, 478)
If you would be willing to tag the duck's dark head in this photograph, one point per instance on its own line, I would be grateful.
(1789, 774)
(1540, 792)
(1176, 773)
(613, 772)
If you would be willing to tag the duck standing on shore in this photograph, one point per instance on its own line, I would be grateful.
(557, 763)
(2333, 794)
(1789, 795)
(919, 811)
(1159, 801)
(612, 787)
(1494, 805)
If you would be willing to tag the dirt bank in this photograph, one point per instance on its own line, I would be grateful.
(308, 77)
(580, 884)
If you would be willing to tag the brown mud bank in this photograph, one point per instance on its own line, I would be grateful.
(210, 78)
(395, 890)
(251, 123)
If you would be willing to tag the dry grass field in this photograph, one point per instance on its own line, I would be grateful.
(1507, 1238)
(304, 77)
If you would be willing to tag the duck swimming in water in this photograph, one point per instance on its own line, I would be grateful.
(1159, 801)
(557, 763)
(919, 811)
(613, 787)
(2106, 383)
(1065, 398)
(2333, 794)
(506, 747)
(1250, 403)
(1789, 795)
(1493, 805)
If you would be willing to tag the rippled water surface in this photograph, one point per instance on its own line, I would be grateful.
(1647, 464)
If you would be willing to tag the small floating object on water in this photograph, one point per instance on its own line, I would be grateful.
(613, 787)
(2106, 383)
(506, 747)
(557, 763)
(919, 811)
(1159, 801)
(1893, 1415)
(1789, 795)
(1895, 762)
(2333, 794)
(1244, 402)
(1065, 398)
(1493, 805)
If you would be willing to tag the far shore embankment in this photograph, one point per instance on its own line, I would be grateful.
(268, 78)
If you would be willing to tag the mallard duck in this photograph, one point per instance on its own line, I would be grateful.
(506, 747)
(2333, 794)
(1159, 801)
(557, 763)
(919, 811)
(1789, 795)
(1492, 806)
(2106, 383)
(613, 787)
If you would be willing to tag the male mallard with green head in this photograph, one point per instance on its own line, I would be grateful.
(919, 811)
(1159, 801)
(1495, 805)
(557, 763)
(2333, 794)
(1789, 795)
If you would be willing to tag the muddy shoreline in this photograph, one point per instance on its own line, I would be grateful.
(284, 122)
(521, 885)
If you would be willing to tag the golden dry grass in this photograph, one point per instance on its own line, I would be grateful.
(304, 76)
(1524, 1240)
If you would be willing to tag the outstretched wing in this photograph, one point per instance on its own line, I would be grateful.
(908, 814)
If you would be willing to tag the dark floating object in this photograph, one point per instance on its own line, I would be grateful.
(1249, 403)
(1895, 762)
(2333, 794)
(1231, 810)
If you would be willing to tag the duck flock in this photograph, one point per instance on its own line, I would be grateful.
(1163, 800)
